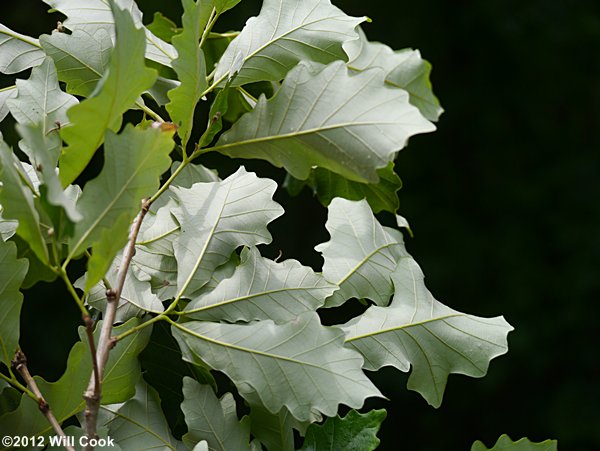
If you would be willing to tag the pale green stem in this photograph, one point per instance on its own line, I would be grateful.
(231, 34)
(150, 112)
(211, 22)
(211, 75)
(166, 185)
(246, 93)
(15, 383)
(161, 317)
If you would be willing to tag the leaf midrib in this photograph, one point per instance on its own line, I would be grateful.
(249, 296)
(124, 187)
(300, 133)
(257, 352)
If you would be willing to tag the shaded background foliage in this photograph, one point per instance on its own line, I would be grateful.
(503, 200)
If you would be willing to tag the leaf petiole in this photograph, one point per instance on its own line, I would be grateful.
(231, 34)
(15, 383)
(63, 275)
(211, 22)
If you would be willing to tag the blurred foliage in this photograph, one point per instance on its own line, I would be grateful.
(503, 201)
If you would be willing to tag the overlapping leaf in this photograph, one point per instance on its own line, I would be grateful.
(12, 274)
(127, 79)
(361, 254)
(8, 227)
(18, 52)
(285, 32)
(40, 108)
(276, 430)
(505, 443)
(325, 117)
(163, 27)
(212, 419)
(354, 432)
(81, 58)
(224, 5)
(193, 173)
(40, 100)
(327, 185)
(134, 162)
(64, 396)
(140, 422)
(215, 218)
(218, 109)
(262, 289)
(300, 365)
(190, 66)
(92, 15)
(136, 296)
(43, 151)
(10, 92)
(155, 258)
(403, 69)
(417, 330)
(17, 202)
(164, 370)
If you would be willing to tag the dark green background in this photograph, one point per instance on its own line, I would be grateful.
(503, 200)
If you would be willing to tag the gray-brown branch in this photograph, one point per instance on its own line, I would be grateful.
(19, 363)
(93, 393)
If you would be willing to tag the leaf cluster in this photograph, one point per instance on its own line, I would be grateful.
(301, 87)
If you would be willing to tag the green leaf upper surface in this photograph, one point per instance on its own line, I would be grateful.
(403, 69)
(417, 330)
(81, 58)
(361, 254)
(134, 162)
(40, 100)
(354, 432)
(9, 397)
(262, 289)
(12, 274)
(300, 365)
(7, 93)
(92, 15)
(224, 5)
(18, 52)
(505, 443)
(127, 79)
(163, 27)
(65, 395)
(285, 32)
(276, 431)
(190, 66)
(218, 109)
(325, 117)
(42, 150)
(327, 185)
(17, 203)
(211, 419)
(215, 219)
(140, 423)
(40, 108)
